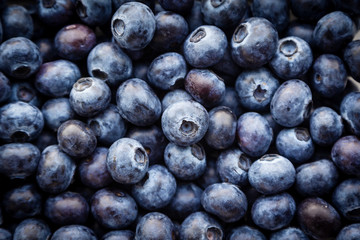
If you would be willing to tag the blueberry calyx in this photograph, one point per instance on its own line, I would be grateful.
(48, 3)
(288, 48)
(188, 128)
(119, 27)
(82, 84)
(198, 35)
(217, 3)
(240, 33)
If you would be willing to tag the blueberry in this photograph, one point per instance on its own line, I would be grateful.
(231, 100)
(291, 103)
(349, 232)
(32, 228)
(350, 109)
(46, 48)
(185, 122)
(127, 161)
(55, 12)
(205, 46)
(57, 111)
(154, 225)
(119, 235)
(17, 22)
(301, 30)
(55, 170)
(45, 139)
(113, 208)
(352, 59)
(174, 96)
(210, 175)
(5, 234)
(254, 42)
(245, 232)
(92, 12)
(133, 25)
(227, 68)
(74, 232)
(5, 88)
(182, 6)
(195, 17)
(271, 174)
(25, 92)
(310, 10)
(289, 233)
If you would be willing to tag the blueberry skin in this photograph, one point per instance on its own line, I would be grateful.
(76, 139)
(89, 96)
(45, 139)
(223, 14)
(201, 226)
(245, 232)
(127, 161)
(289, 233)
(174, 96)
(254, 134)
(22, 202)
(19, 160)
(55, 13)
(108, 126)
(231, 100)
(291, 103)
(66, 208)
(57, 111)
(205, 46)
(182, 7)
(113, 208)
(195, 17)
(32, 228)
(154, 225)
(185, 123)
(254, 42)
(318, 219)
(138, 103)
(346, 198)
(271, 174)
(205, 87)
(273, 212)
(46, 48)
(119, 235)
(156, 189)
(25, 92)
(5, 88)
(133, 25)
(74, 42)
(349, 110)
(293, 58)
(349, 232)
(301, 30)
(185, 163)
(20, 122)
(256, 88)
(333, 32)
(227, 68)
(351, 58)
(345, 154)
(17, 22)
(295, 144)
(56, 78)
(317, 178)
(171, 31)
(109, 63)
(152, 139)
(14, 49)
(233, 166)
(5, 234)
(277, 12)
(167, 71)
(308, 10)
(92, 12)
(329, 76)
(55, 170)
(210, 175)
(74, 232)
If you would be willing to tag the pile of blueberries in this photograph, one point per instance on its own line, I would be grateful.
(179, 119)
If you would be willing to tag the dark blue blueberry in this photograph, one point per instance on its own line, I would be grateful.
(256, 88)
(55, 79)
(46, 48)
(89, 96)
(317, 178)
(19, 160)
(76, 139)
(328, 76)
(346, 155)
(183, 6)
(94, 13)
(20, 122)
(210, 175)
(22, 202)
(274, 125)
(326, 126)
(205, 46)
(233, 166)
(14, 49)
(291, 103)
(227, 68)
(186, 163)
(352, 59)
(45, 139)
(350, 111)
(109, 63)
(127, 161)
(254, 42)
(55, 170)
(254, 134)
(273, 212)
(245, 233)
(156, 189)
(174, 96)
(349, 232)
(195, 17)
(231, 100)
(271, 174)
(57, 111)
(55, 12)
(346, 198)
(74, 232)
(333, 32)
(289, 233)
(301, 30)
(66, 208)
(119, 235)
(117, 3)
(17, 22)
(25, 92)
(5, 88)
(133, 25)
(74, 42)
(32, 228)
(201, 226)
(295, 144)
(293, 58)
(167, 71)
(318, 219)
(310, 10)
(138, 103)
(5, 234)
(155, 225)
(113, 208)
(185, 122)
